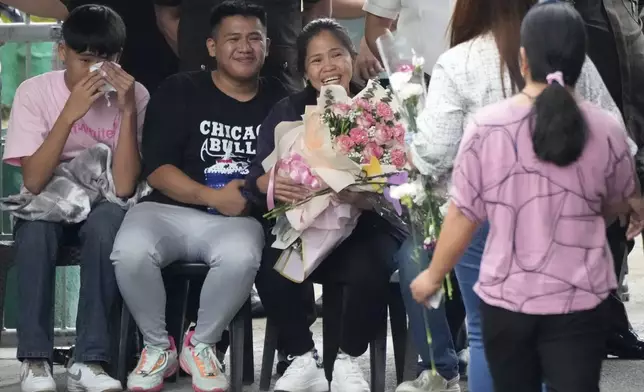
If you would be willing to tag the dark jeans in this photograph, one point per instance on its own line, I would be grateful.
(36, 250)
(467, 271)
(358, 266)
(618, 318)
(565, 351)
(443, 332)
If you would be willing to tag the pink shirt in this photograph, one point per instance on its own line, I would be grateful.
(546, 252)
(38, 103)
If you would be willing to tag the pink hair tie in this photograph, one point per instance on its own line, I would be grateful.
(555, 77)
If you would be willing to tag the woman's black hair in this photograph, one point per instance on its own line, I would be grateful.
(316, 27)
(94, 29)
(553, 36)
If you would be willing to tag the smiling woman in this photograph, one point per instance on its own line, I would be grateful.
(326, 54)
(359, 265)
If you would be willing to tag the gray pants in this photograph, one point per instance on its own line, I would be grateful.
(155, 235)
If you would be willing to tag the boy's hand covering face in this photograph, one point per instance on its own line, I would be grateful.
(121, 82)
(83, 96)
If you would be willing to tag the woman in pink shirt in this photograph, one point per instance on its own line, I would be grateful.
(556, 168)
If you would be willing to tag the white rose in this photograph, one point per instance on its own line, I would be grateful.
(400, 191)
(410, 90)
(398, 80)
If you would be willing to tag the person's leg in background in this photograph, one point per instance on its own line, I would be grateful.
(36, 245)
(410, 264)
(287, 304)
(623, 342)
(572, 348)
(618, 55)
(510, 342)
(467, 271)
(455, 313)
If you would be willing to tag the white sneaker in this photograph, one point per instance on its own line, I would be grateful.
(155, 365)
(347, 376)
(35, 376)
(90, 377)
(304, 374)
(202, 364)
(430, 382)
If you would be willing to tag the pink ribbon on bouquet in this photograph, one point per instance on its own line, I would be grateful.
(295, 168)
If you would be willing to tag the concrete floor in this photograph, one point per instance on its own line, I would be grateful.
(618, 375)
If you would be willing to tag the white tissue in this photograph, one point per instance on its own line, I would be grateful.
(107, 88)
(435, 300)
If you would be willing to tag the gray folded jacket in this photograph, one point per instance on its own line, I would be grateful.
(74, 189)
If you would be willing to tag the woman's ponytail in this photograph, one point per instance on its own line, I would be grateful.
(559, 130)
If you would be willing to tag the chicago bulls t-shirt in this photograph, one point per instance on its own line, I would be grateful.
(196, 127)
(37, 105)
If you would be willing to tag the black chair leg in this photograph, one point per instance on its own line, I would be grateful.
(5, 265)
(411, 360)
(378, 357)
(332, 305)
(124, 351)
(398, 322)
(249, 360)
(176, 306)
(237, 350)
(268, 356)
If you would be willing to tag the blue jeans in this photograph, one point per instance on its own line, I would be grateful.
(445, 356)
(467, 272)
(36, 250)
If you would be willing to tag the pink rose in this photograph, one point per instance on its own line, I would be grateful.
(341, 109)
(398, 158)
(384, 111)
(359, 136)
(405, 68)
(399, 133)
(365, 121)
(344, 143)
(363, 104)
(383, 135)
(371, 150)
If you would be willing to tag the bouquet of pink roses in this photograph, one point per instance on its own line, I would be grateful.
(342, 143)
(365, 129)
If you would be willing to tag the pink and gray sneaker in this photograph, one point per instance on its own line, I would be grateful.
(201, 362)
(155, 365)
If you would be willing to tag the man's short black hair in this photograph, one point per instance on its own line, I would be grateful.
(229, 8)
(94, 29)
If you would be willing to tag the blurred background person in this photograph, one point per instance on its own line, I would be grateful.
(616, 46)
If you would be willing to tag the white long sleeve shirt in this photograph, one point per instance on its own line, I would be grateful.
(465, 79)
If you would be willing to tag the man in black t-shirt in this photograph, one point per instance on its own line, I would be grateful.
(285, 20)
(200, 133)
